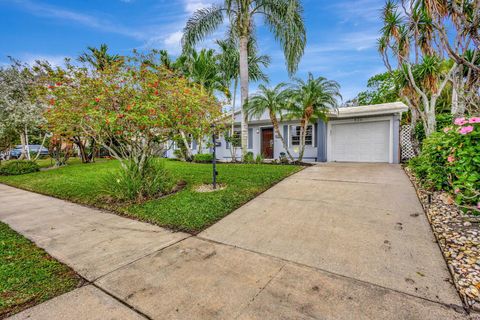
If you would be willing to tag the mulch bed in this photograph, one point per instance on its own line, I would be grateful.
(459, 239)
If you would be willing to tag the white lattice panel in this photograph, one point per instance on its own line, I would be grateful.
(406, 145)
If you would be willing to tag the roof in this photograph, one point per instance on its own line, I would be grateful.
(370, 110)
(343, 112)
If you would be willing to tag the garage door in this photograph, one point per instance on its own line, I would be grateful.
(360, 141)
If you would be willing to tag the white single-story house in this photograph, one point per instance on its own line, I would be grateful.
(351, 134)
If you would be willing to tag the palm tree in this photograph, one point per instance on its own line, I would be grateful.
(229, 63)
(202, 68)
(99, 58)
(311, 100)
(283, 17)
(274, 101)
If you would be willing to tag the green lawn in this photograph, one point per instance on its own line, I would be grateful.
(28, 275)
(186, 210)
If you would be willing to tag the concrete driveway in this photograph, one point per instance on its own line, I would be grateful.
(360, 221)
(333, 242)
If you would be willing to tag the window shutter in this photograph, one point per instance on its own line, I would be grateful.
(194, 144)
(250, 138)
(285, 133)
(315, 134)
(227, 144)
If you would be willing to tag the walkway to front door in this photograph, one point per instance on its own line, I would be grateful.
(267, 143)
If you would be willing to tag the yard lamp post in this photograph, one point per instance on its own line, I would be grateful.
(214, 158)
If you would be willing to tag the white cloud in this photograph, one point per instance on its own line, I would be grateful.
(193, 5)
(32, 58)
(49, 11)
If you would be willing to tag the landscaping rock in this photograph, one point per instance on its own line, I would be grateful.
(458, 239)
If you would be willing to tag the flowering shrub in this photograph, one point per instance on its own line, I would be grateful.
(450, 161)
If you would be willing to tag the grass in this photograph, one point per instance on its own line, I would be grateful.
(28, 275)
(186, 210)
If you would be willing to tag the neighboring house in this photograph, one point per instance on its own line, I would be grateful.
(352, 134)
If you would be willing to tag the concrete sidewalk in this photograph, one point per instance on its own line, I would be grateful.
(312, 247)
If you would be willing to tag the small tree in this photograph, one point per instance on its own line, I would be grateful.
(131, 108)
(20, 112)
(64, 117)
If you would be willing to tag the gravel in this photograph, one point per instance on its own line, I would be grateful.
(459, 239)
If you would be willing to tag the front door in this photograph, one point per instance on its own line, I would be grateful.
(267, 143)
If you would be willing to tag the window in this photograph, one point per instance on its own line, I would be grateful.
(295, 135)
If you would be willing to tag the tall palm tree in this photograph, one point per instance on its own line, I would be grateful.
(311, 100)
(274, 101)
(229, 63)
(99, 58)
(283, 17)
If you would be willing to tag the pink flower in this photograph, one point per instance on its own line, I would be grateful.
(446, 129)
(478, 205)
(451, 159)
(460, 121)
(474, 120)
(457, 191)
(465, 130)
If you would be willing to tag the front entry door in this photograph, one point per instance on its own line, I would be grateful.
(267, 143)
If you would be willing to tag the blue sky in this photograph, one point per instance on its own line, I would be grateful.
(341, 34)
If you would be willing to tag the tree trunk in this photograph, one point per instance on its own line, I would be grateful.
(458, 93)
(188, 154)
(27, 148)
(23, 155)
(244, 90)
(41, 147)
(233, 150)
(81, 148)
(274, 120)
(430, 121)
(303, 129)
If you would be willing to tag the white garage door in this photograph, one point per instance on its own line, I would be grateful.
(360, 141)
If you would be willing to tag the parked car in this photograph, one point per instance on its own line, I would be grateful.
(33, 148)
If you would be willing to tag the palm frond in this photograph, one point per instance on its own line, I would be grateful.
(202, 23)
(284, 18)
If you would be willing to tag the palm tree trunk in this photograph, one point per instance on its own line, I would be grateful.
(232, 132)
(244, 90)
(274, 120)
(303, 133)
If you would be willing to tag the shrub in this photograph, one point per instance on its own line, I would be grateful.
(248, 158)
(259, 159)
(17, 167)
(203, 158)
(443, 120)
(450, 161)
(132, 184)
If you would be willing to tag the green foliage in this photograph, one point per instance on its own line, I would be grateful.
(28, 275)
(249, 157)
(16, 167)
(382, 88)
(443, 120)
(132, 183)
(234, 139)
(259, 158)
(450, 161)
(203, 158)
